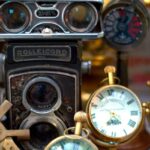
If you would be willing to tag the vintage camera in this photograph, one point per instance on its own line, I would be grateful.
(41, 63)
(43, 84)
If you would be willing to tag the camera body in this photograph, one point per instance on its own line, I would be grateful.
(43, 84)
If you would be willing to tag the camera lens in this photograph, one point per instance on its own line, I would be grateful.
(42, 133)
(80, 17)
(15, 16)
(41, 96)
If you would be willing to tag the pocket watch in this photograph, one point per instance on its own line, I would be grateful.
(76, 141)
(115, 113)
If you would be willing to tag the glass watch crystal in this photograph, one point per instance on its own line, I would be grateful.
(72, 144)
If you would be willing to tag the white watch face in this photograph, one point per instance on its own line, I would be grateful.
(115, 111)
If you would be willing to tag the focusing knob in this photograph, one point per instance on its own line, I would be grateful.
(86, 67)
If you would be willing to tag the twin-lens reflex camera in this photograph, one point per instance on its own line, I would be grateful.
(40, 63)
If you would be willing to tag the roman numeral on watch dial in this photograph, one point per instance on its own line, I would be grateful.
(134, 113)
(131, 123)
(100, 96)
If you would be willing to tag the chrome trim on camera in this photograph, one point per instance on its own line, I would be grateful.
(2, 67)
(36, 80)
(33, 119)
(34, 21)
(2, 95)
(52, 36)
(58, 13)
(43, 24)
(42, 53)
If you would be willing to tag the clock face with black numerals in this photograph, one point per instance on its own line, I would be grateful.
(115, 111)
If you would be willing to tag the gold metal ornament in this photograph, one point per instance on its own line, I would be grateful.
(6, 142)
(146, 106)
(115, 114)
(76, 140)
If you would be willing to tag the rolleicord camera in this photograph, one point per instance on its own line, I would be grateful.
(41, 63)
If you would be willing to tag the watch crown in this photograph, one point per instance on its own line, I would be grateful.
(80, 117)
(110, 69)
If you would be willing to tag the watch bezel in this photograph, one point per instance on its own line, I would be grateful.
(72, 137)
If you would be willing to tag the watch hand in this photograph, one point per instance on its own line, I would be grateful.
(113, 121)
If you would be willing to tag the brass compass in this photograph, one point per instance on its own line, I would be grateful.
(75, 141)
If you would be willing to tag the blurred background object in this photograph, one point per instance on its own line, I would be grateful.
(147, 3)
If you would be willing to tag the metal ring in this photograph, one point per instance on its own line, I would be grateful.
(85, 132)
(106, 80)
(32, 119)
(49, 81)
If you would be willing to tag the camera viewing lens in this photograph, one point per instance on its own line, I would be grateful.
(42, 96)
(80, 17)
(15, 16)
(42, 133)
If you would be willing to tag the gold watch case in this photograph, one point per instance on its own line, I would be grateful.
(71, 139)
(108, 106)
(99, 134)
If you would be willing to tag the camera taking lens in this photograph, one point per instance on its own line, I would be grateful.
(42, 133)
(43, 128)
(42, 95)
